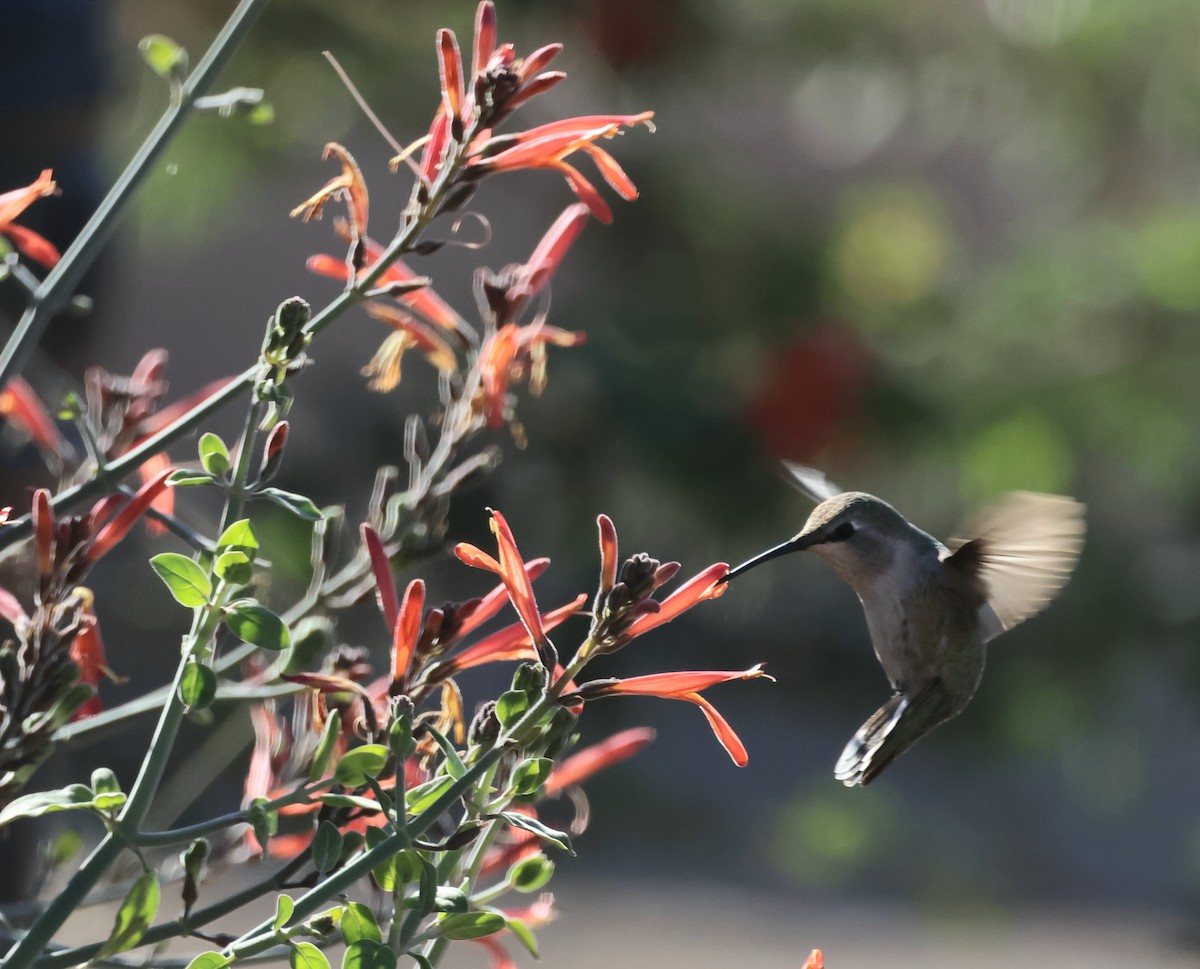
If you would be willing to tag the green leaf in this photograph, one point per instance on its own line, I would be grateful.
(348, 801)
(104, 781)
(511, 707)
(262, 113)
(454, 765)
(470, 925)
(189, 583)
(184, 478)
(305, 955)
(359, 923)
(214, 455)
(233, 565)
(311, 636)
(208, 960)
(298, 505)
(423, 795)
(447, 899)
(531, 874)
(357, 765)
(327, 847)
(109, 802)
(198, 685)
(252, 622)
(524, 935)
(134, 917)
(165, 57)
(284, 907)
(239, 535)
(333, 728)
(531, 775)
(71, 798)
(262, 821)
(534, 826)
(365, 954)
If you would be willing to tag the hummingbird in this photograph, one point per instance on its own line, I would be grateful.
(931, 609)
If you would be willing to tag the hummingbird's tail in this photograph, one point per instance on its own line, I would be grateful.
(891, 730)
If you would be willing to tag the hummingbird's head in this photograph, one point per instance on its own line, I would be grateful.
(856, 533)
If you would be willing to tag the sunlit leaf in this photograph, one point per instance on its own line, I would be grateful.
(186, 580)
(134, 917)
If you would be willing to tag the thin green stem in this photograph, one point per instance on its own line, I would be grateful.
(58, 285)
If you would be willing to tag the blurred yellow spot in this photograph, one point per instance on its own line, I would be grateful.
(892, 248)
(1024, 451)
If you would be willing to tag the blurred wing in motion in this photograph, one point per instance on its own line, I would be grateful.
(812, 482)
(1023, 549)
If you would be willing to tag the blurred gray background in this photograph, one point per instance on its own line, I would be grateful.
(940, 250)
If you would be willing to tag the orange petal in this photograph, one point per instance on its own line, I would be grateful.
(491, 604)
(37, 247)
(21, 404)
(512, 642)
(608, 553)
(520, 589)
(704, 585)
(613, 173)
(485, 36)
(585, 191)
(164, 503)
(476, 557)
(43, 531)
(408, 628)
(119, 526)
(450, 72)
(16, 201)
(720, 727)
(670, 686)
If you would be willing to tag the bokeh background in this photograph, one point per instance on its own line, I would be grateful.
(939, 250)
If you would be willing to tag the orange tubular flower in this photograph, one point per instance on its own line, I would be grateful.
(547, 146)
(815, 960)
(451, 73)
(407, 629)
(350, 186)
(510, 643)
(704, 585)
(511, 569)
(679, 686)
(21, 405)
(26, 241)
(491, 603)
(582, 765)
(384, 368)
(87, 653)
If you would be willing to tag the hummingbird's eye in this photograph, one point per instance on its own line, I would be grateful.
(841, 533)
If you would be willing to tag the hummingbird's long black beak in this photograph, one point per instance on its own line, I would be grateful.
(796, 544)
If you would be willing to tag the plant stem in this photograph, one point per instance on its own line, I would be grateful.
(58, 285)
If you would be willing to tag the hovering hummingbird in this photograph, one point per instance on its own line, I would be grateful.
(932, 609)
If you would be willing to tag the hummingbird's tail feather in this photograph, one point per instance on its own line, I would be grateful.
(891, 730)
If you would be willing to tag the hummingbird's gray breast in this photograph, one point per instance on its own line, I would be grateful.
(924, 625)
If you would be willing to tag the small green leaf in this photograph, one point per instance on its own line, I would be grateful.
(263, 822)
(71, 798)
(423, 795)
(209, 960)
(134, 917)
(63, 847)
(305, 955)
(109, 802)
(252, 622)
(400, 738)
(284, 907)
(197, 686)
(359, 923)
(454, 765)
(165, 57)
(333, 728)
(189, 583)
(214, 455)
(327, 847)
(298, 505)
(365, 954)
(184, 478)
(511, 706)
(531, 874)
(524, 935)
(531, 775)
(470, 925)
(447, 899)
(534, 826)
(357, 765)
(104, 781)
(233, 566)
(262, 113)
(348, 801)
(239, 535)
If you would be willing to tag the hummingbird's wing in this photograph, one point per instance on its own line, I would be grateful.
(1023, 549)
(891, 730)
(812, 482)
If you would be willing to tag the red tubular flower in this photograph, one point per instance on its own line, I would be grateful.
(608, 553)
(21, 405)
(491, 603)
(511, 569)
(26, 241)
(547, 146)
(815, 960)
(350, 186)
(510, 643)
(680, 686)
(450, 72)
(582, 765)
(164, 502)
(385, 586)
(118, 526)
(87, 653)
(406, 631)
(513, 352)
(485, 37)
(704, 585)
